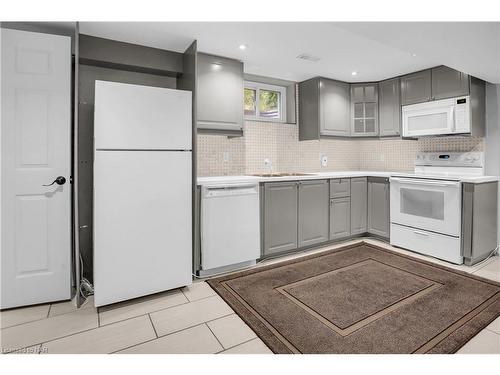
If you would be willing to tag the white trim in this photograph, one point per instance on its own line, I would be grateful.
(257, 86)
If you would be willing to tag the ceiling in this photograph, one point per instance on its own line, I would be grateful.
(375, 50)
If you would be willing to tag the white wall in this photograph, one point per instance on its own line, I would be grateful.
(492, 146)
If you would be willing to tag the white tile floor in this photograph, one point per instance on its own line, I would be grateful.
(188, 320)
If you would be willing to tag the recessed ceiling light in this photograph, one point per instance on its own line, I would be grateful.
(354, 73)
(414, 55)
(216, 65)
(243, 47)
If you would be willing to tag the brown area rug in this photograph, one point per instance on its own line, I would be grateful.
(361, 299)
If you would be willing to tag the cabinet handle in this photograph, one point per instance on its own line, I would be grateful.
(420, 233)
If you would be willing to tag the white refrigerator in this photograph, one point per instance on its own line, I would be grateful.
(142, 191)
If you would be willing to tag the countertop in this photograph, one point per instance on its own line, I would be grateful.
(230, 180)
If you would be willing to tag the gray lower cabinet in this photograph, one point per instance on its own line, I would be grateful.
(340, 218)
(378, 206)
(389, 103)
(219, 95)
(479, 220)
(324, 109)
(449, 83)
(359, 205)
(313, 212)
(416, 87)
(280, 217)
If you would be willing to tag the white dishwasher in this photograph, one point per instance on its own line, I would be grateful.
(230, 225)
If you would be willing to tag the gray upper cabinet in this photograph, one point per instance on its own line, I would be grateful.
(389, 108)
(359, 205)
(340, 218)
(378, 206)
(364, 110)
(433, 84)
(449, 83)
(416, 87)
(219, 95)
(280, 217)
(334, 108)
(313, 212)
(324, 109)
(329, 108)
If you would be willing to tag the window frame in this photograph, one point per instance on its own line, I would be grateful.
(257, 86)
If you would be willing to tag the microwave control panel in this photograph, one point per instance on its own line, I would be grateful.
(462, 113)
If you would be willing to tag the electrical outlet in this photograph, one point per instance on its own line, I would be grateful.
(226, 156)
(381, 157)
(324, 160)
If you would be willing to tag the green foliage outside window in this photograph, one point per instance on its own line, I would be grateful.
(268, 101)
(249, 102)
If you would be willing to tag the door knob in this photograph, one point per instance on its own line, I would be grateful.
(59, 180)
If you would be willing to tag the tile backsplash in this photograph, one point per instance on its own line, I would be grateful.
(220, 155)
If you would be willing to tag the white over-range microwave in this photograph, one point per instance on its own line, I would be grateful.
(439, 117)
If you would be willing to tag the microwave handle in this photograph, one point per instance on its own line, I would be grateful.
(451, 118)
(424, 182)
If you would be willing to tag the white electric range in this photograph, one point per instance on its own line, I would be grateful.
(426, 206)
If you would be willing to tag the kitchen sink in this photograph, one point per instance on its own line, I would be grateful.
(281, 174)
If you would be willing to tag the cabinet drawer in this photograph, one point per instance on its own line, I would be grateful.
(429, 243)
(340, 187)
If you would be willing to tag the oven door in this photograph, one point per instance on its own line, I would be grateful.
(430, 118)
(433, 205)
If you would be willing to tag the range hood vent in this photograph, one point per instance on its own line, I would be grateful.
(307, 57)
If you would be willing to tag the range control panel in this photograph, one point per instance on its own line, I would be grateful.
(450, 159)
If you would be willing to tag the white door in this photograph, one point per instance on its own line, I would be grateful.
(35, 150)
(142, 223)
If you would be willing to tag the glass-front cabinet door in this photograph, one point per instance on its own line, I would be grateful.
(364, 110)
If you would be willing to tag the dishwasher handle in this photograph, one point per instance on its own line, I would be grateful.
(229, 190)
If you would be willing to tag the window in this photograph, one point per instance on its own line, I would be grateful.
(250, 102)
(265, 102)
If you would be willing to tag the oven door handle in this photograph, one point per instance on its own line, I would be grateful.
(424, 182)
